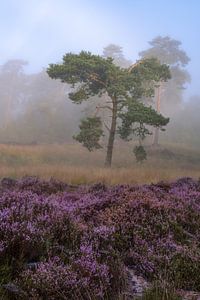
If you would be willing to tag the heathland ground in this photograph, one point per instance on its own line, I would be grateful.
(73, 164)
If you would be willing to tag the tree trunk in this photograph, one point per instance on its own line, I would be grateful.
(112, 132)
(8, 112)
(156, 137)
(156, 132)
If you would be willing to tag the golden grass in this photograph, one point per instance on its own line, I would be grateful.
(80, 175)
(73, 164)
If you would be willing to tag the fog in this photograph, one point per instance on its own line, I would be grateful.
(99, 149)
(35, 109)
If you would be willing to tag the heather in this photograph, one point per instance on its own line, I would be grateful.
(60, 241)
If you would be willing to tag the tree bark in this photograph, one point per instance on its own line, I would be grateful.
(156, 137)
(111, 139)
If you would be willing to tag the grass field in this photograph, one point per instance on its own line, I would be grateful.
(73, 164)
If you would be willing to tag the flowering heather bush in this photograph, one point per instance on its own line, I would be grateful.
(82, 277)
(157, 231)
(62, 242)
(30, 223)
(34, 185)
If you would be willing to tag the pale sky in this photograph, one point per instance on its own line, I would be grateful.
(42, 31)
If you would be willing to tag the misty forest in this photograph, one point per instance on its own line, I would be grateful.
(99, 158)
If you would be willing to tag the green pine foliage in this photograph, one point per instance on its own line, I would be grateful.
(90, 133)
(137, 117)
(140, 153)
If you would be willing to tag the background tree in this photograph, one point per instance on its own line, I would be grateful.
(182, 131)
(33, 108)
(13, 87)
(169, 95)
(92, 75)
(116, 52)
(48, 116)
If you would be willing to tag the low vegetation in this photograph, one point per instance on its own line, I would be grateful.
(61, 241)
(72, 163)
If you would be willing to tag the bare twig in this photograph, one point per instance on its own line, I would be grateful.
(135, 65)
(106, 126)
(103, 107)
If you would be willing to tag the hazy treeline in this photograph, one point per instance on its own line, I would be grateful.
(184, 127)
(35, 108)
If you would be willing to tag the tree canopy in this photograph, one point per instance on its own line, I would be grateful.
(168, 51)
(169, 95)
(92, 75)
(116, 52)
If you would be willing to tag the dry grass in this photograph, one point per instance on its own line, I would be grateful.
(73, 164)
